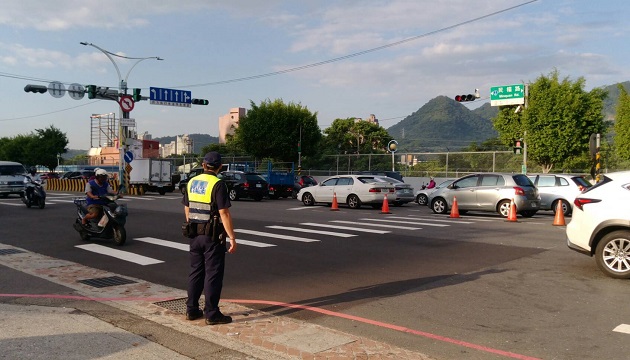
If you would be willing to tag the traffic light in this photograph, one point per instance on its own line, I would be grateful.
(200, 102)
(462, 98)
(518, 146)
(38, 89)
(91, 91)
(136, 95)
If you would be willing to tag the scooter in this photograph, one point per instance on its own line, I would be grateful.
(38, 194)
(110, 226)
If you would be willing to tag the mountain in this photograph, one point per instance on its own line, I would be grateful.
(199, 141)
(443, 124)
(610, 103)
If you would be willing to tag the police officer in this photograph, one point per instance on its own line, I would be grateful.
(207, 198)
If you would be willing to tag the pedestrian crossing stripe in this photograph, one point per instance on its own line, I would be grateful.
(276, 236)
(347, 228)
(413, 217)
(405, 222)
(310, 231)
(389, 226)
(120, 254)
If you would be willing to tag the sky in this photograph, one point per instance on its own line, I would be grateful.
(339, 59)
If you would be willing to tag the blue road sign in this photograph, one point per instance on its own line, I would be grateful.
(128, 156)
(170, 97)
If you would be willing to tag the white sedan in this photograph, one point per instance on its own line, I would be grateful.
(353, 190)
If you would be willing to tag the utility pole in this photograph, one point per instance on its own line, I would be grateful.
(123, 173)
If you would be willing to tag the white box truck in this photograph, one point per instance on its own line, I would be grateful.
(153, 175)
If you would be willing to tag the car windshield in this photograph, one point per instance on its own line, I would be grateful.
(445, 183)
(390, 180)
(11, 170)
(522, 180)
(369, 179)
(254, 177)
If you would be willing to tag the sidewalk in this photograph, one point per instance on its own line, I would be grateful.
(51, 308)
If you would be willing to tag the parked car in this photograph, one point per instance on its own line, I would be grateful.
(245, 185)
(191, 174)
(11, 178)
(404, 192)
(422, 195)
(81, 174)
(600, 224)
(392, 174)
(50, 175)
(302, 181)
(553, 188)
(488, 192)
(353, 190)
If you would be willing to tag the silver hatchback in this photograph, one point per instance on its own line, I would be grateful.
(488, 192)
(554, 188)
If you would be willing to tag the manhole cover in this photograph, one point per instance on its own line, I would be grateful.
(11, 251)
(107, 281)
(176, 305)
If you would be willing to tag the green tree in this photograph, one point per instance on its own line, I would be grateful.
(273, 130)
(46, 145)
(558, 121)
(622, 125)
(17, 149)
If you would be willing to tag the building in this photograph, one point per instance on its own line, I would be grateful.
(229, 122)
(181, 145)
(372, 119)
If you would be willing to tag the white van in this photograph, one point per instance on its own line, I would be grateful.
(11, 178)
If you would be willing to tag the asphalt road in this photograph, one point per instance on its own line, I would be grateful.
(476, 287)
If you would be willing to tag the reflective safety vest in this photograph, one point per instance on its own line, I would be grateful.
(200, 197)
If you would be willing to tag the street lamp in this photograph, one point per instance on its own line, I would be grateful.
(121, 91)
(392, 147)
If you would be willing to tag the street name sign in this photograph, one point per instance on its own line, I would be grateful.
(507, 95)
(170, 97)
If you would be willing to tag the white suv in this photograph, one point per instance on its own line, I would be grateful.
(600, 225)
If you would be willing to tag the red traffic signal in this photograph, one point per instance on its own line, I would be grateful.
(462, 98)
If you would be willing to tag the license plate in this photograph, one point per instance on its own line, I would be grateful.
(534, 204)
(270, 192)
(258, 185)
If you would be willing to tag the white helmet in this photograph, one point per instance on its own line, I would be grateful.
(100, 172)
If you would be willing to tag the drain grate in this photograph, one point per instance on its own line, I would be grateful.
(11, 251)
(176, 305)
(107, 281)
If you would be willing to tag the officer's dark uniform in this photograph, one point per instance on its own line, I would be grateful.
(205, 195)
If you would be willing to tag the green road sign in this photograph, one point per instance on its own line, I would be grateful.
(507, 95)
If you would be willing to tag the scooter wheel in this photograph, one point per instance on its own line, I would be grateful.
(42, 203)
(120, 235)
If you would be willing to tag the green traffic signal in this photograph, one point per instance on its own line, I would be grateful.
(199, 102)
(91, 91)
(136, 95)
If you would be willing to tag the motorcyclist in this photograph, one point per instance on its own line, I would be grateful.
(94, 189)
(29, 182)
(431, 183)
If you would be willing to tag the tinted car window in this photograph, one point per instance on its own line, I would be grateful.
(522, 180)
(330, 182)
(467, 182)
(345, 181)
(11, 170)
(254, 177)
(492, 180)
(581, 181)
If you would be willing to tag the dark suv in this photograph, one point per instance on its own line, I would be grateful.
(245, 185)
(184, 182)
(302, 181)
(81, 174)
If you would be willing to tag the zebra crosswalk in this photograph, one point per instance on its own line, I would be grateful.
(63, 198)
(274, 235)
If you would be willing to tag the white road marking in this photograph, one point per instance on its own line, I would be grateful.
(12, 204)
(302, 208)
(405, 222)
(252, 243)
(272, 235)
(347, 228)
(310, 231)
(119, 254)
(377, 225)
(423, 218)
(166, 243)
(623, 328)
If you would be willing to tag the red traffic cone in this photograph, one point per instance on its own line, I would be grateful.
(512, 214)
(335, 205)
(385, 209)
(454, 209)
(558, 220)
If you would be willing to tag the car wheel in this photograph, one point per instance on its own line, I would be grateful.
(353, 202)
(566, 207)
(233, 195)
(439, 206)
(422, 199)
(504, 208)
(307, 199)
(613, 254)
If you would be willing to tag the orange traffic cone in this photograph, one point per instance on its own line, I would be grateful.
(385, 209)
(512, 214)
(454, 209)
(335, 205)
(558, 220)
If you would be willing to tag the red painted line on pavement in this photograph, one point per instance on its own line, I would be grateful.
(77, 297)
(388, 326)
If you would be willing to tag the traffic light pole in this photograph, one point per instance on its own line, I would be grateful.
(123, 129)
